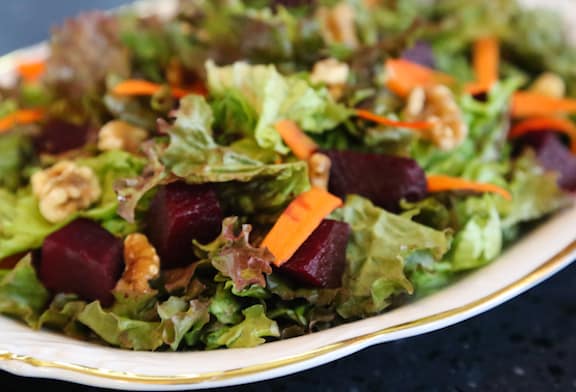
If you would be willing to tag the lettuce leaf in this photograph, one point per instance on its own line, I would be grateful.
(379, 244)
(275, 97)
(248, 333)
(121, 331)
(22, 295)
(234, 257)
(15, 149)
(23, 228)
(179, 317)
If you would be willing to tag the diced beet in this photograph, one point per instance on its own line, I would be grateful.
(553, 155)
(84, 259)
(384, 179)
(420, 53)
(321, 259)
(180, 213)
(58, 136)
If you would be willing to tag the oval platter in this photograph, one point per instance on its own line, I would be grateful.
(539, 255)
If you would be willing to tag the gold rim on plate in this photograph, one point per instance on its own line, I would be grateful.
(544, 270)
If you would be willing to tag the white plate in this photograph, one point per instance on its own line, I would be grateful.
(545, 251)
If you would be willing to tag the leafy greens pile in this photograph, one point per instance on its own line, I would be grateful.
(248, 64)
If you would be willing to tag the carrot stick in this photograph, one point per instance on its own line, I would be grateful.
(20, 117)
(298, 221)
(486, 61)
(132, 87)
(440, 183)
(416, 125)
(301, 145)
(31, 71)
(525, 104)
(535, 124)
(403, 76)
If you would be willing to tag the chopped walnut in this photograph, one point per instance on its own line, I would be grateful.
(319, 168)
(338, 25)
(64, 189)
(142, 264)
(549, 84)
(120, 135)
(333, 73)
(438, 106)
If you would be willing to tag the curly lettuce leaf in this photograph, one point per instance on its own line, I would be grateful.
(15, 149)
(22, 226)
(248, 333)
(276, 97)
(234, 257)
(379, 244)
(181, 319)
(22, 295)
(121, 331)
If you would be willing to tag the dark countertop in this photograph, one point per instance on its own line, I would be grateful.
(527, 344)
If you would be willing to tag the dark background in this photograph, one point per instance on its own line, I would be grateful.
(527, 344)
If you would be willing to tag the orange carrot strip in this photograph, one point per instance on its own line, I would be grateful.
(525, 104)
(31, 71)
(298, 221)
(535, 124)
(366, 115)
(301, 145)
(404, 75)
(440, 183)
(20, 117)
(486, 62)
(132, 87)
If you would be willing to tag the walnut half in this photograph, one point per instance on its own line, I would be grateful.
(142, 264)
(120, 135)
(437, 105)
(64, 189)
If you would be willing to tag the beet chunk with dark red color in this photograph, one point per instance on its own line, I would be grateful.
(321, 259)
(84, 259)
(58, 136)
(553, 155)
(384, 179)
(180, 213)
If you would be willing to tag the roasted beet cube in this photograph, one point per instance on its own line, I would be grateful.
(84, 259)
(384, 179)
(321, 259)
(58, 136)
(180, 213)
(553, 155)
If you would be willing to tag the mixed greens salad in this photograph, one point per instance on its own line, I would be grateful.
(247, 170)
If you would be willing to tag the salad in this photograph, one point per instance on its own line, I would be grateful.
(245, 171)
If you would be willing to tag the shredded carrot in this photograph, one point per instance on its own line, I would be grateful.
(525, 104)
(440, 183)
(301, 145)
(403, 76)
(31, 71)
(535, 124)
(486, 61)
(133, 87)
(302, 216)
(20, 117)
(417, 125)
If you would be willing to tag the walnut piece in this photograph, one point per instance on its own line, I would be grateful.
(64, 189)
(120, 135)
(549, 84)
(338, 25)
(333, 73)
(142, 264)
(437, 105)
(319, 169)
